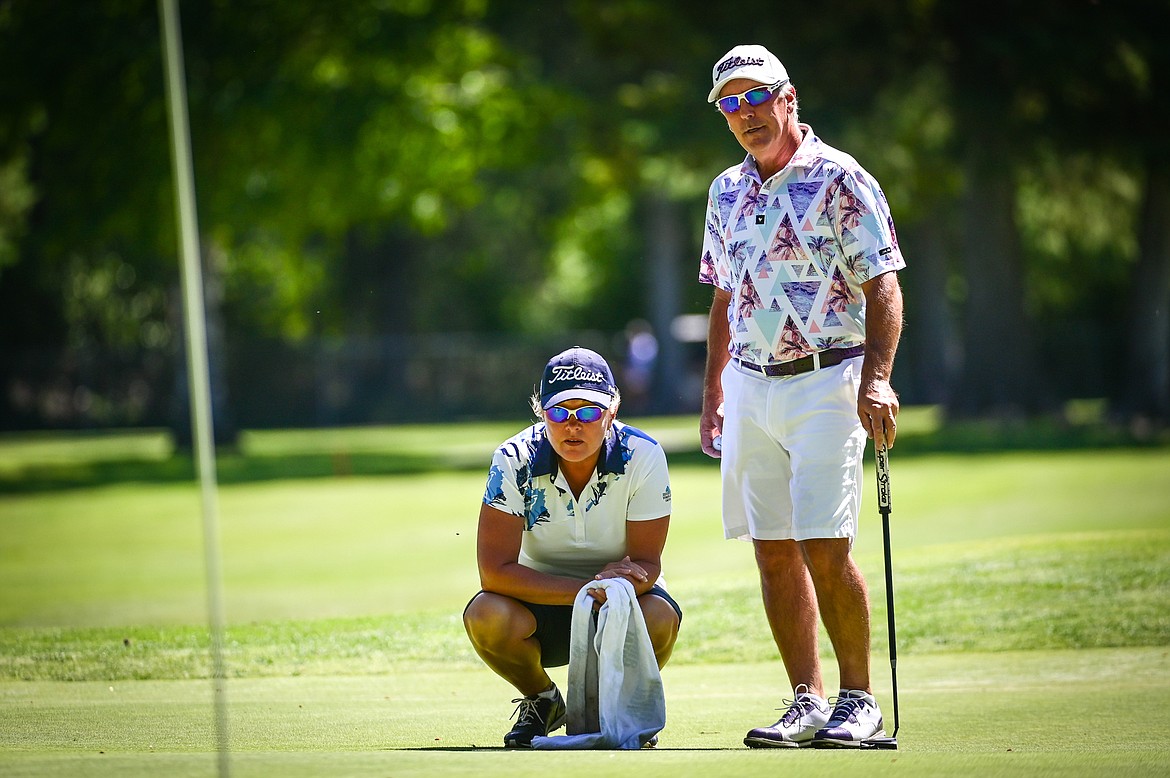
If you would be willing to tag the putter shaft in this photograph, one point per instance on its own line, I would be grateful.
(883, 487)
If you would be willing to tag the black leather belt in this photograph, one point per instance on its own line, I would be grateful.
(827, 358)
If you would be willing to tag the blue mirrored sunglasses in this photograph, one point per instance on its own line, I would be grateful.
(754, 96)
(586, 414)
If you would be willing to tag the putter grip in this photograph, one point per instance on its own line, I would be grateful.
(883, 479)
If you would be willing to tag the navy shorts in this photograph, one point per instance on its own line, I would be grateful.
(554, 626)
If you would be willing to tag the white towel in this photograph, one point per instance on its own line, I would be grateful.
(615, 696)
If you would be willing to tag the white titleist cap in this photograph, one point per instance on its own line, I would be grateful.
(749, 61)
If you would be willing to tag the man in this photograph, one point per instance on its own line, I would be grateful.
(806, 317)
(576, 497)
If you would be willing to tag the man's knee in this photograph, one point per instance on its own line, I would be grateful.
(778, 559)
(775, 552)
(826, 556)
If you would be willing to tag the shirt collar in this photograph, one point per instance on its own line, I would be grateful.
(806, 155)
(612, 460)
(544, 461)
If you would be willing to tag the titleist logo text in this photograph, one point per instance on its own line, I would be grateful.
(576, 373)
(735, 62)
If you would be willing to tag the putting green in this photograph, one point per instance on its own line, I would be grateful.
(332, 641)
(1068, 713)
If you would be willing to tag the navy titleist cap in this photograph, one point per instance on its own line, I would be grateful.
(577, 374)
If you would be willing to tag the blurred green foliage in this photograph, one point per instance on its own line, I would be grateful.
(367, 167)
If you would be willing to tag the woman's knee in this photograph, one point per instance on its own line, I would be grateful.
(493, 618)
(662, 623)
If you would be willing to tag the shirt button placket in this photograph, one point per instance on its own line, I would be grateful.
(575, 512)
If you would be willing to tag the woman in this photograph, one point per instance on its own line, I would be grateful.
(578, 496)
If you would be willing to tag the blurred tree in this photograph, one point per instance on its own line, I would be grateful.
(360, 167)
(1036, 100)
(367, 167)
(1130, 103)
(913, 155)
(1029, 88)
(16, 198)
(990, 68)
(647, 154)
(354, 163)
(82, 119)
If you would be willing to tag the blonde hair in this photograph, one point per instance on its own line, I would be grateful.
(790, 89)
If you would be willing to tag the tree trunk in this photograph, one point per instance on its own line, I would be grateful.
(223, 427)
(999, 376)
(931, 343)
(1144, 395)
(664, 242)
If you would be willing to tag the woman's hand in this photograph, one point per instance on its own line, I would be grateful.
(631, 571)
(626, 568)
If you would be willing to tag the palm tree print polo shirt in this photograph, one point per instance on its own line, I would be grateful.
(794, 250)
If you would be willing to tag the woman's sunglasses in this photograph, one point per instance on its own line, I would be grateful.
(755, 96)
(586, 414)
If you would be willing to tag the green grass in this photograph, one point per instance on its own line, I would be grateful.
(38, 462)
(1001, 715)
(1081, 591)
(1031, 585)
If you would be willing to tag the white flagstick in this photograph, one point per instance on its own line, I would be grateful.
(199, 383)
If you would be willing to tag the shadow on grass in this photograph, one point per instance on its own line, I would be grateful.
(234, 467)
(503, 750)
(231, 468)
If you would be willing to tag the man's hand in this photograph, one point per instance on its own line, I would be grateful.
(710, 428)
(877, 407)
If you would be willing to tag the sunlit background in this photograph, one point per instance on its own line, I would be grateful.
(405, 205)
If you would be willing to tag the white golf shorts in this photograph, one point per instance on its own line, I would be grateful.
(792, 453)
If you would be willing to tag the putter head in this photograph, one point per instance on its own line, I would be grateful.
(881, 743)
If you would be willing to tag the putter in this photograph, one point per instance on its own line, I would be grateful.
(883, 492)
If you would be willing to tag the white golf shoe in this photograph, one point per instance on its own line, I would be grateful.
(855, 720)
(805, 715)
